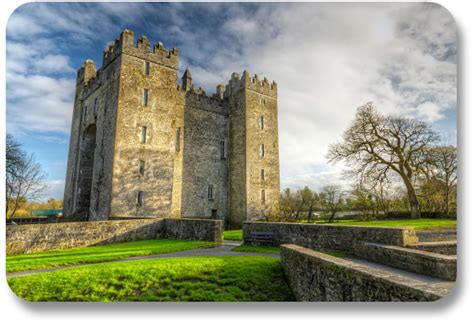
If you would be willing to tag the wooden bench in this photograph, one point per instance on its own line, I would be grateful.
(260, 237)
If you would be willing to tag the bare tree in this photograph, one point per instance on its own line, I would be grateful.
(442, 167)
(24, 177)
(376, 145)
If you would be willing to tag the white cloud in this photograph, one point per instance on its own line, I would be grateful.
(327, 58)
(39, 103)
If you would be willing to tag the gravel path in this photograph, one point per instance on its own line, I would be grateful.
(217, 251)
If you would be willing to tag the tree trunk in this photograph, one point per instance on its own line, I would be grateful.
(414, 204)
(310, 212)
(412, 198)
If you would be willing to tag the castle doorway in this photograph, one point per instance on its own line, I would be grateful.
(214, 214)
(86, 170)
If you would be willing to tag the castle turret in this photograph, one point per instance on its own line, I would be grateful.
(86, 72)
(187, 80)
(220, 89)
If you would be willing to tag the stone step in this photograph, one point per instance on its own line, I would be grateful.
(434, 282)
(417, 261)
(429, 235)
(442, 247)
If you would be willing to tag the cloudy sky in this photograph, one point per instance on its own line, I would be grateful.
(327, 59)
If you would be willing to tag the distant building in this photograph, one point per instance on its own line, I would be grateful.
(142, 145)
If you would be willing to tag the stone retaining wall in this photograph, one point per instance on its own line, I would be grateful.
(329, 236)
(55, 236)
(194, 229)
(314, 276)
(442, 247)
(417, 261)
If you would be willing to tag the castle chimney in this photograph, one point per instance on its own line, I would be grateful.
(220, 89)
(187, 80)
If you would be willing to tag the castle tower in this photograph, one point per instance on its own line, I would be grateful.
(121, 154)
(254, 173)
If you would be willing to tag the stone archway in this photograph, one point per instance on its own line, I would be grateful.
(86, 170)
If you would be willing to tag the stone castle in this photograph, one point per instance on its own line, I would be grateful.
(143, 146)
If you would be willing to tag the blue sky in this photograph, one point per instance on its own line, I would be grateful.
(327, 59)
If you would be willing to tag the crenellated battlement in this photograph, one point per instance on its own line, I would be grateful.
(125, 43)
(253, 83)
(198, 98)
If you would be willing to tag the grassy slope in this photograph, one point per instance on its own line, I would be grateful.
(230, 278)
(99, 253)
(233, 235)
(417, 223)
(261, 249)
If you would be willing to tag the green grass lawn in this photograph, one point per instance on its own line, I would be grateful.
(416, 223)
(99, 253)
(233, 235)
(261, 249)
(228, 278)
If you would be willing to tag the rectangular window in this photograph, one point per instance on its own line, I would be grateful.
(96, 106)
(262, 150)
(262, 174)
(223, 149)
(263, 196)
(144, 134)
(140, 198)
(147, 68)
(262, 122)
(85, 112)
(178, 139)
(145, 97)
(142, 168)
(210, 192)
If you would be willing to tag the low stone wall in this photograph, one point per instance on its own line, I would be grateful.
(417, 261)
(55, 236)
(442, 247)
(329, 236)
(194, 229)
(314, 276)
(41, 237)
(436, 234)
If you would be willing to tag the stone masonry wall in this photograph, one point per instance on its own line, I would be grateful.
(329, 236)
(205, 128)
(194, 229)
(55, 236)
(157, 152)
(417, 261)
(442, 247)
(263, 190)
(314, 276)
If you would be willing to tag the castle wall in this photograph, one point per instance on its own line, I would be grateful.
(88, 178)
(72, 163)
(158, 116)
(205, 130)
(237, 153)
(178, 126)
(102, 105)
